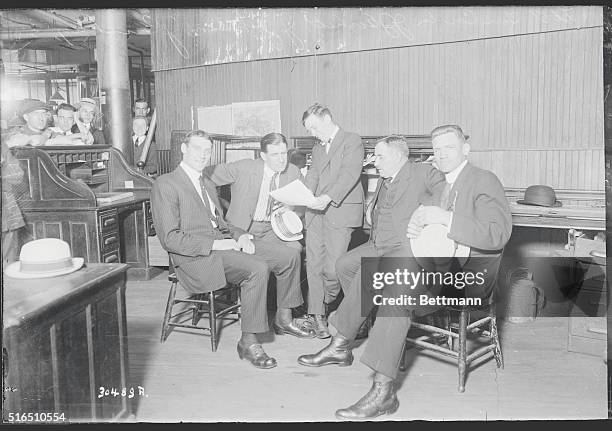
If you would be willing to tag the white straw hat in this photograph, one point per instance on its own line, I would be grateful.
(434, 242)
(286, 225)
(42, 258)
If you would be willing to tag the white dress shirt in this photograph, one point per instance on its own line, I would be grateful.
(264, 194)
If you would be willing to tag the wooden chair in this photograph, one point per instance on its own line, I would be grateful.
(455, 335)
(222, 304)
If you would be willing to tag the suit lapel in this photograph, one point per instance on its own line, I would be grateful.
(459, 183)
(333, 149)
(184, 178)
(403, 177)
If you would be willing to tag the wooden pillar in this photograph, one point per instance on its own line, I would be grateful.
(113, 78)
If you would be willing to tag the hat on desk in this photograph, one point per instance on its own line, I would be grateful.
(286, 225)
(540, 195)
(42, 258)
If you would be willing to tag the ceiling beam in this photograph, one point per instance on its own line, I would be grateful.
(53, 33)
(51, 18)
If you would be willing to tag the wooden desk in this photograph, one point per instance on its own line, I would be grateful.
(64, 338)
(567, 217)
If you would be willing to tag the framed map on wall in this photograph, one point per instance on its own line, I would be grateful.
(240, 119)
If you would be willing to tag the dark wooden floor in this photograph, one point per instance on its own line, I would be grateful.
(185, 381)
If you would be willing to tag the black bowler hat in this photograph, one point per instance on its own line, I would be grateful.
(540, 195)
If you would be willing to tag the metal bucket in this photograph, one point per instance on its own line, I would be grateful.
(523, 299)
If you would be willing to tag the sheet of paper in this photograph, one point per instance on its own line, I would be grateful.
(294, 193)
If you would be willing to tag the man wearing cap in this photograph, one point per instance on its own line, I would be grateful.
(83, 121)
(35, 132)
(474, 208)
(334, 178)
(252, 208)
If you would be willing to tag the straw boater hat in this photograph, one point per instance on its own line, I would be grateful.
(42, 258)
(433, 241)
(286, 225)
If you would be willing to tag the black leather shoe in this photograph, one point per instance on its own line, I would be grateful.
(294, 328)
(319, 325)
(379, 400)
(256, 355)
(338, 351)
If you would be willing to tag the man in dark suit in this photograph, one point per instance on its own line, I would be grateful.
(208, 252)
(140, 126)
(474, 208)
(334, 179)
(83, 118)
(251, 208)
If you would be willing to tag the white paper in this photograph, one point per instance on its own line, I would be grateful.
(294, 193)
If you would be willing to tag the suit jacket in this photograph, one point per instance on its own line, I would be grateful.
(150, 166)
(98, 135)
(481, 220)
(338, 174)
(245, 177)
(182, 223)
(415, 184)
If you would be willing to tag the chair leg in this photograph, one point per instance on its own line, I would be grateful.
(463, 318)
(402, 364)
(495, 338)
(212, 319)
(168, 314)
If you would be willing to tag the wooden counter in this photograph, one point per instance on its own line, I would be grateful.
(64, 338)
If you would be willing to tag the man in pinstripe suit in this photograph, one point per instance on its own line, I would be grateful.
(208, 252)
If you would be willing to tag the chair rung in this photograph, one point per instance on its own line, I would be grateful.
(227, 310)
(480, 352)
(434, 347)
(201, 328)
(434, 329)
(478, 323)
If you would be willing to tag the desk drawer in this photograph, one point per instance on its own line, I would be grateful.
(111, 257)
(110, 242)
(109, 221)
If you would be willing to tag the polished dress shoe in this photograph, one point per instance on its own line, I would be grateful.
(256, 355)
(338, 351)
(379, 400)
(294, 328)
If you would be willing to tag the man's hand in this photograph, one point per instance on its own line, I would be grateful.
(320, 203)
(425, 215)
(225, 244)
(246, 244)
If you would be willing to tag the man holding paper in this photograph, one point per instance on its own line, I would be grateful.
(250, 209)
(334, 178)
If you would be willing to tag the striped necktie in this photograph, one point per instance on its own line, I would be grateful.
(445, 199)
(270, 198)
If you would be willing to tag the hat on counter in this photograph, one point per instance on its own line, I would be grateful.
(286, 225)
(42, 258)
(540, 195)
(31, 105)
(433, 241)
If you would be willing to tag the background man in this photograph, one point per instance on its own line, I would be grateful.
(140, 125)
(141, 108)
(62, 131)
(334, 178)
(35, 132)
(473, 205)
(207, 252)
(250, 209)
(83, 121)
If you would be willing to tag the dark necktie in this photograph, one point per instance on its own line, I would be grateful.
(270, 198)
(213, 214)
(445, 200)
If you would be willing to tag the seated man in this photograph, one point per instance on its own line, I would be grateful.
(474, 207)
(84, 118)
(208, 252)
(403, 186)
(250, 209)
(35, 132)
(62, 131)
(140, 125)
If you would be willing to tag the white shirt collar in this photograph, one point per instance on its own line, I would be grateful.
(333, 135)
(194, 175)
(137, 138)
(451, 176)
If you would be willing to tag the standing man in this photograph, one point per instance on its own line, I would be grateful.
(334, 179)
(250, 209)
(140, 125)
(207, 252)
(83, 119)
(141, 108)
(474, 207)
